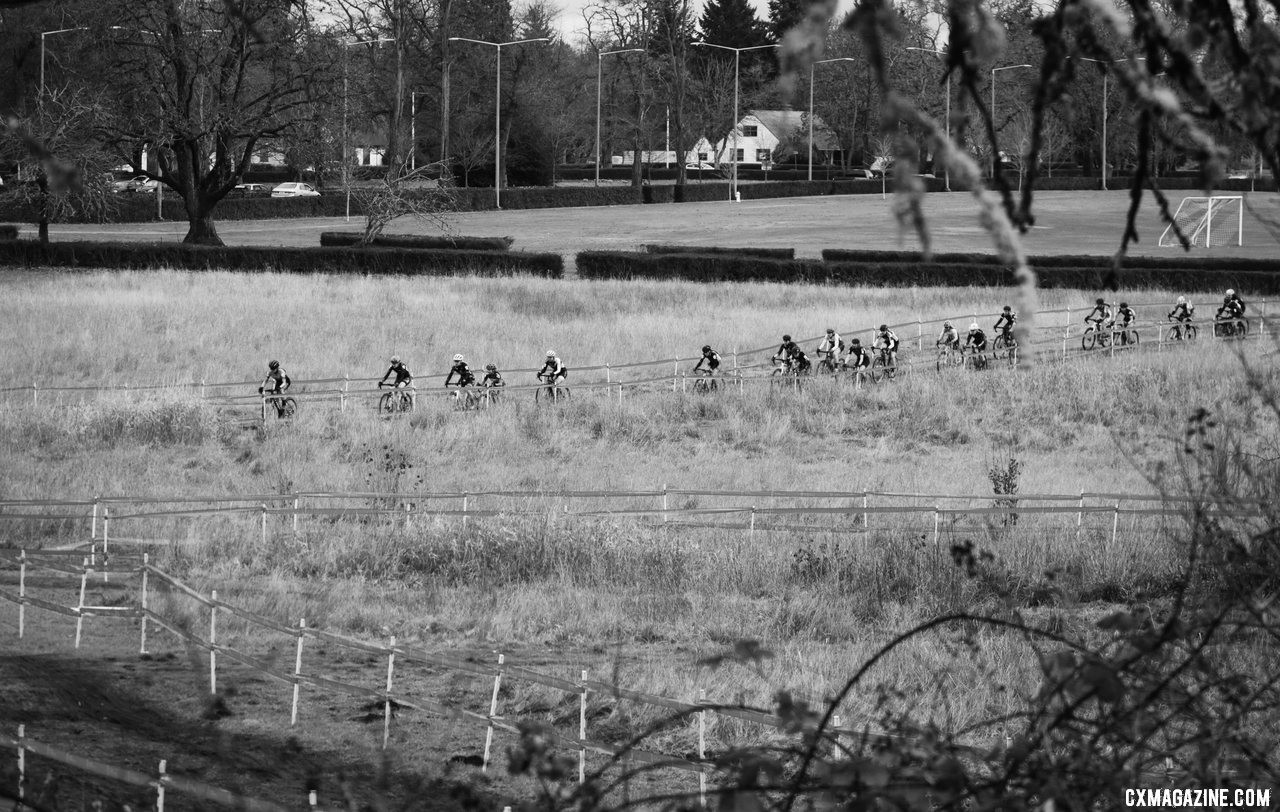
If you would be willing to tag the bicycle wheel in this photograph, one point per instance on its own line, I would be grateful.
(1174, 334)
(1089, 339)
(1132, 338)
(1242, 328)
(1001, 346)
(1189, 332)
(878, 372)
(406, 403)
(288, 408)
(386, 404)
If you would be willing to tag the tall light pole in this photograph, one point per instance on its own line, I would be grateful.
(995, 158)
(44, 34)
(346, 164)
(599, 77)
(811, 66)
(737, 55)
(946, 168)
(413, 128)
(497, 108)
(1105, 73)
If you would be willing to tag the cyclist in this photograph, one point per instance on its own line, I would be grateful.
(887, 340)
(404, 379)
(460, 368)
(800, 364)
(831, 348)
(1004, 324)
(276, 382)
(1125, 315)
(950, 337)
(786, 352)
(1232, 306)
(1104, 315)
(492, 380)
(554, 369)
(858, 359)
(976, 340)
(709, 357)
(1182, 311)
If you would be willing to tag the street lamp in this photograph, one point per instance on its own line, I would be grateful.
(737, 54)
(599, 61)
(346, 167)
(1104, 108)
(497, 108)
(811, 66)
(44, 34)
(995, 157)
(946, 167)
(413, 128)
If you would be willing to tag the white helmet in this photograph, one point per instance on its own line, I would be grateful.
(1230, 292)
(551, 353)
(973, 326)
(457, 357)
(395, 359)
(1182, 300)
(947, 324)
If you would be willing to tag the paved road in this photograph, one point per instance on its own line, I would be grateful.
(1067, 223)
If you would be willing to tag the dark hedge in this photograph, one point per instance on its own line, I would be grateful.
(8, 231)
(772, 253)
(376, 261)
(1178, 259)
(722, 268)
(348, 238)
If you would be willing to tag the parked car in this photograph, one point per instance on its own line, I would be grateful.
(294, 190)
(701, 166)
(141, 183)
(251, 190)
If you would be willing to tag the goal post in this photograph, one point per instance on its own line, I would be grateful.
(1207, 221)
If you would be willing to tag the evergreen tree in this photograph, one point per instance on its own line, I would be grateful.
(732, 23)
(785, 15)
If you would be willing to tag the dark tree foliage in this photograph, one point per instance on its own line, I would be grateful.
(785, 15)
(732, 23)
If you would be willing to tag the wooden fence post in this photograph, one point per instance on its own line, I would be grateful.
(464, 509)
(702, 749)
(213, 641)
(22, 593)
(582, 730)
(264, 524)
(22, 763)
(93, 527)
(84, 579)
(493, 710)
(664, 503)
(751, 528)
(296, 504)
(146, 564)
(35, 394)
(297, 671)
(866, 503)
(1115, 526)
(160, 782)
(386, 714)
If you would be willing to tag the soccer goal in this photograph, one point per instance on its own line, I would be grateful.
(1208, 221)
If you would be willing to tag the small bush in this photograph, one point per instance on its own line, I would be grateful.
(347, 238)
(771, 253)
(404, 261)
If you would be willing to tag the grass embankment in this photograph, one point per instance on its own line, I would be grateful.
(823, 602)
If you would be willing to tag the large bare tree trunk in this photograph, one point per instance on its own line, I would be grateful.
(201, 230)
(444, 81)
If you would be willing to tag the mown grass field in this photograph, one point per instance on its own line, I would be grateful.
(609, 594)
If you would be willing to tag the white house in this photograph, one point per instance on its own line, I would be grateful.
(759, 134)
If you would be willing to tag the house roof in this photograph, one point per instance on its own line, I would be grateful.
(783, 123)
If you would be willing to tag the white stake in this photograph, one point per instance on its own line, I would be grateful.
(84, 580)
(296, 501)
(702, 749)
(22, 763)
(146, 562)
(582, 730)
(160, 787)
(264, 525)
(93, 528)
(664, 503)
(386, 714)
(866, 503)
(493, 710)
(213, 654)
(751, 527)
(22, 595)
(297, 672)
(464, 510)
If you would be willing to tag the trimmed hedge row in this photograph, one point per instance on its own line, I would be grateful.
(1179, 261)
(376, 261)
(772, 253)
(722, 268)
(349, 238)
(8, 231)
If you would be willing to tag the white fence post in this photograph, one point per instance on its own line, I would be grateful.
(93, 528)
(84, 579)
(22, 594)
(866, 503)
(493, 711)
(607, 377)
(296, 505)
(751, 529)
(702, 749)
(1115, 526)
(386, 714)
(22, 763)
(675, 373)
(1066, 334)
(582, 730)
(342, 396)
(664, 503)
(106, 524)
(35, 394)
(160, 782)
(264, 524)
(464, 509)
(146, 564)
(297, 671)
(213, 643)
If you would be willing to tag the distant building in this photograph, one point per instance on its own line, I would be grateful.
(760, 133)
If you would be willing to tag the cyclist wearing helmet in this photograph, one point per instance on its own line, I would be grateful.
(1004, 324)
(554, 369)
(976, 340)
(1125, 315)
(277, 380)
(1232, 306)
(709, 357)
(887, 340)
(397, 368)
(1182, 311)
(460, 368)
(492, 377)
(858, 358)
(950, 337)
(1103, 311)
(831, 348)
(786, 352)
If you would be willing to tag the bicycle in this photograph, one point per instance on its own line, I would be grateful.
(1237, 327)
(705, 382)
(551, 391)
(285, 407)
(1182, 331)
(1125, 337)
(975, 358)
(1005, 346)
(399, 399)
(829, 365)
(472, 399)
(882, 366)
(949, 357)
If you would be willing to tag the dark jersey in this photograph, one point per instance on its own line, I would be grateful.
(858, 357)
(788, 349)
(400, 371)
(711, 359)
(976, 338)
(276, 381)
(1006, 320)
(553, 366)
(465, 376)
(1126, 315)
(1180, 312)
(494, 379)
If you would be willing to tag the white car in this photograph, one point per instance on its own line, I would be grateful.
(139, 184)
(701, 166)
(294, 190)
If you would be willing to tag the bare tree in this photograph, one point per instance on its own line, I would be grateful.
(405, 193)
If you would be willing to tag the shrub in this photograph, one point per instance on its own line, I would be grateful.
(8, 231)
(773, 253)
(409, 262)
(346, 238)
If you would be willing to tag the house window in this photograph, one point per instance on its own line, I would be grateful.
(762, 156)
(750, 131)
(702, 157)
(738, 156)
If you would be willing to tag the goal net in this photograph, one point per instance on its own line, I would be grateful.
(1207, 221)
